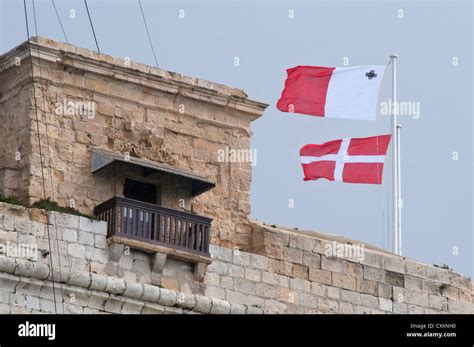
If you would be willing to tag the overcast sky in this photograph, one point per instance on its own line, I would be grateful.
(433, 40)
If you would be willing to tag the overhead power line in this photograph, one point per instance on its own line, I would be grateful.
(59, 19)
(42, 164)
(148, 32)
(50, 172)
(92, 26)
(26, 21)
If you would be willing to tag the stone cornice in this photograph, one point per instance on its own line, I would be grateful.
(140, 74)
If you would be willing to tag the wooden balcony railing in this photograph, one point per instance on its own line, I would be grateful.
(156, 224)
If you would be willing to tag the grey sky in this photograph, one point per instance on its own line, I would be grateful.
(437, 190)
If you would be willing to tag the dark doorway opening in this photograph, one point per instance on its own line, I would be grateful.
(140, 191)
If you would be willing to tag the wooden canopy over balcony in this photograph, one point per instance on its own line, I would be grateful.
(101, 158)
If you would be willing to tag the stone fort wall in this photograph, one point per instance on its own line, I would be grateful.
(137, 110)
(288, 272)
(184, 122)
(15, 99)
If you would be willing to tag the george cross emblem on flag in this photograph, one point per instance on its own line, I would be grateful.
(371, 74)
(333, 92)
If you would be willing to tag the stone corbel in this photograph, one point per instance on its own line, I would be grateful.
(200, 269)
(159, 255)
(116, 250)
(158, 262)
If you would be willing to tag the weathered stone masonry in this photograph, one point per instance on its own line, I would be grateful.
(291, 275)
(183, 122)
(139, 110)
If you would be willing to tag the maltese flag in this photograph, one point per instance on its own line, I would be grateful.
(333, 92)
(356, 160)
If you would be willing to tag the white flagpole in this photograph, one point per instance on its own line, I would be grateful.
(395, 167)
(399, 192)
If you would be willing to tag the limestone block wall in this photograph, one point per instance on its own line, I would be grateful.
(26, 289)
(308, 280)
(139, 110)
(16, 98)
(288, 272)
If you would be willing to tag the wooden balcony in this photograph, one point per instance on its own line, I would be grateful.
(156, 225)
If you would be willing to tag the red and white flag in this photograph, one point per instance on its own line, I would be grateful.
(356, 160)
(332, 92)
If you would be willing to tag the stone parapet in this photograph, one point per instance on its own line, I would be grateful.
(287, 272)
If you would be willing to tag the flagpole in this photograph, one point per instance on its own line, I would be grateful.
(395, 167)
(399, 187)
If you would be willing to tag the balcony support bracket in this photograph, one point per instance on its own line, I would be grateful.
(158, 262)
(116, 250)
(159, 255)
(199, 271)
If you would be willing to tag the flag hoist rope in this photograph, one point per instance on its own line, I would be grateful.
(397, 201)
